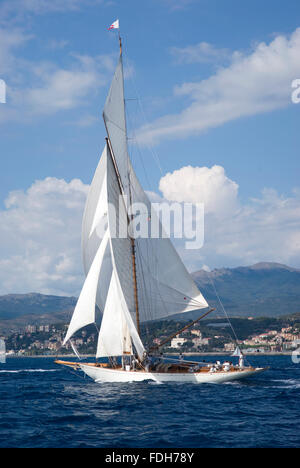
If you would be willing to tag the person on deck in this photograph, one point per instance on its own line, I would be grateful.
(241, 362)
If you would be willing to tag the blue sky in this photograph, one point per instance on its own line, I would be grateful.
(214, 82)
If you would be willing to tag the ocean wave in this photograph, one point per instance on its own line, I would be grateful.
(286, 383)
(19, 371)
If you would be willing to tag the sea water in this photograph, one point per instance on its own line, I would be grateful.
(45, 405)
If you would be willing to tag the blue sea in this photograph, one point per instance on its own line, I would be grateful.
(45, 405)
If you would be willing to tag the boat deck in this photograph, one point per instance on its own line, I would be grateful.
(161, 368)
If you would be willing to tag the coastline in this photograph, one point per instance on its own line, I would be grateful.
(216, 353)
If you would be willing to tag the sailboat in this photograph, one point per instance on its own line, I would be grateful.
(131, 279)
(2, 351)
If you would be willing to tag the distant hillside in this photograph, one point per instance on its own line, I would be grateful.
(263, 289)
(18, 310)
(260, 290)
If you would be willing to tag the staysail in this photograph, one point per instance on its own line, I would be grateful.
(131, 279)
(237, 352)
(84, 313)
(94, 227)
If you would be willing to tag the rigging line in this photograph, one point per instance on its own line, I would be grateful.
(151, 306)
(156, 292)
(96, 326)
(114, 123)
(151, 149)
(223, 308)
(154, 155)
(140, 156)
(150, 291)
(150, 254)
(132, 241)
(154, 256)
(192, 300)
(147, 289)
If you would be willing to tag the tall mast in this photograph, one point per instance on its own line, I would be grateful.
(120, 42)
(129, 219)
(132, 240)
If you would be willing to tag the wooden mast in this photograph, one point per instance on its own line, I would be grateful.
(136, 300)
(131, 238)
(132, 241)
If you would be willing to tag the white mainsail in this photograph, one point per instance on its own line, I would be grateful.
(165, 286)
(2, 351)
(115, 122)
(131, 280)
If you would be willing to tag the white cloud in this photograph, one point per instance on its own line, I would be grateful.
(178, 4)
(62, 89)
(57, 44)
(40, 238)
(43, 87)
(10, 39)
(262, 229)
(199, 53)
(251, 84)
(205, 185)
(40, 229)
(16, 9)
(51, 88)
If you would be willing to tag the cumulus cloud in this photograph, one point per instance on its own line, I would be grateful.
(266, 228)
(209, 186)
(51, 88)
(40, 238)
(252, 84)
(40, 229)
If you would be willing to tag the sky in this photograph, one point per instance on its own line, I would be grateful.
(210, 114)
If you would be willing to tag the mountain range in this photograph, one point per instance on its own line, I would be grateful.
(19, 310)
(260, 290)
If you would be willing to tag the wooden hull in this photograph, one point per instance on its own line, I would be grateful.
(105, 374)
